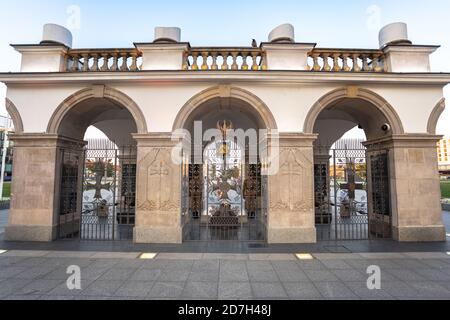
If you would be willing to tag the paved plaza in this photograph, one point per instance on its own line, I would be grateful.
(40, 273)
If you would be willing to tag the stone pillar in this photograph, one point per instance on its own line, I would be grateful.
(287, 56)
(414, 186)
(36, 185)
(291, 191)
(162, 56)
(408, 58)
(158, 190)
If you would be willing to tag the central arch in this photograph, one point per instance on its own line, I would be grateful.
(225, 92)
(223, 189)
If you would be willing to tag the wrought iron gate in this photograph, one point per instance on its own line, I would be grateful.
(108, 193)
(97, 192)
(225, 198)
(69, 205)
(348, 204)
(380, 219)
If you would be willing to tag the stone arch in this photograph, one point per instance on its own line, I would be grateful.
(353, 93)
(99, 91)
(434, 116)
(15, 116)
(225, 92)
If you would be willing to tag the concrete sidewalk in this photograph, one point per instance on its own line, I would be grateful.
(235, 247)
(106, 275)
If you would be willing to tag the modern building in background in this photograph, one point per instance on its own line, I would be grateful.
(9, 153)
(298, 98)
(6, 158)
(444, 151)
(444, 156)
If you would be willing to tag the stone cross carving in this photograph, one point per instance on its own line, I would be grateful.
(161, 171)
(291, 169)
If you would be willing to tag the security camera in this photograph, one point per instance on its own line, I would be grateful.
(386, 127)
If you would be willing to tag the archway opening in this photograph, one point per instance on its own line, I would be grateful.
(97, 187)
(224, 193)
(351, 182)
(440, 126)
(11, 123)
(6, 160)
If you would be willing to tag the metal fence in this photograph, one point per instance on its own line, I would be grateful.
(109, 191)
(341, 196)
(352, 196)
(5, 204)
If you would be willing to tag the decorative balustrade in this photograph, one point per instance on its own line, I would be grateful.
(233, 58)
(201, 59)
(342, 60)
(93, 60)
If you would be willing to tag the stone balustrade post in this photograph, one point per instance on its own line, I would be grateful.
(162, 56)
(408, 58)
(42, 57)
(287, 56)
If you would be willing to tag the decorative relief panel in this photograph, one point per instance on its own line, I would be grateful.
(291, 188)
(158, 182)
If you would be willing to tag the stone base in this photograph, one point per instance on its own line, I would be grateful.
(292, 235)
(168, 235)
(31, 233)
(419, 234)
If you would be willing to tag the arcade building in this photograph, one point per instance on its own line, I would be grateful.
(299, 98)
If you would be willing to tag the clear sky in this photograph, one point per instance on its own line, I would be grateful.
(118, 23)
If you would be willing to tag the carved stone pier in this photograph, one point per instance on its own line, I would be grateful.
(291, 191)
(157, 191)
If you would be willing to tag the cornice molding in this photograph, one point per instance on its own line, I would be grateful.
(273, 76)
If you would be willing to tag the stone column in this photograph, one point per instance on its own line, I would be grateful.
(158, 191)
(36, 185)
(414, 186)
(291, 191)
(162, 56)
(287, 56)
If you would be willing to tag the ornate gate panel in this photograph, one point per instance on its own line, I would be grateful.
(69, 209)
(352, 197)
(192, 186)
(195, 189)
(225, 197)
(321, 191)
(341, 196)
(380, 213)
(109, 193)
